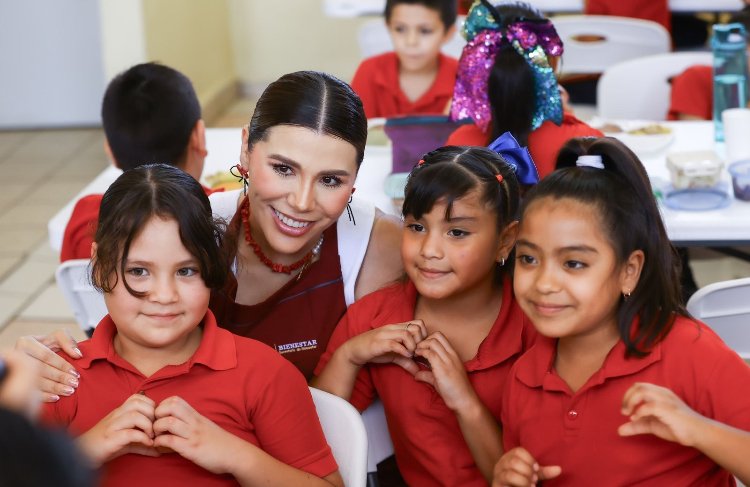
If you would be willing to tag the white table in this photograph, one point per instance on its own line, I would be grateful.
(354, 8)
(725, 227)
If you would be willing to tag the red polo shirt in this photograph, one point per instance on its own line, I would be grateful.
(693, 93)
(81, 227)
(544, 142)
(578, 431)
(656, 10)
(243, 386)
(376, 83)
(428, 443)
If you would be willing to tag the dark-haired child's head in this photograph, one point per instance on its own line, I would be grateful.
(418, 30)
(459, 212)
(312, 100)
(137, 199)
(149, 113)
(447, 10)
(591, 238)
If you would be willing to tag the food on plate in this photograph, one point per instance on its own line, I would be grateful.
(652, 129)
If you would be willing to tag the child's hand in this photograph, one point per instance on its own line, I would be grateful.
(127, 429)
(658, 411)
(517, 468)
(182, 429)
(447, 373)
(387, 344)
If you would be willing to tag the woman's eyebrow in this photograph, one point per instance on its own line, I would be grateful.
(297, 165)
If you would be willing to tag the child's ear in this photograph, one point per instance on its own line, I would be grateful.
(507, 240)
(110, 156)
(631, 271)
(198, 138)
(93, 250)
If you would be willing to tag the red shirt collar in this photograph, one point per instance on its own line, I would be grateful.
(387, 78)
(504, 340)
(217, 349)
(536, 367)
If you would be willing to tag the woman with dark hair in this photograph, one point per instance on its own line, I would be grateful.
(506, 83)
(298, 258)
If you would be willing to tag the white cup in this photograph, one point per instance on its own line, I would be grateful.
(736, 133)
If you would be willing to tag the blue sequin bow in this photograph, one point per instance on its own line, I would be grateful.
(517, 157)
(532, 39)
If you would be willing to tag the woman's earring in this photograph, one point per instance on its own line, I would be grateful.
(501, 261)
(349, 211)
(242, 176)
(626, 295)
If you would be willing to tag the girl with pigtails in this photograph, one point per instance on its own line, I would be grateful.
(436, 347)
(506, 83)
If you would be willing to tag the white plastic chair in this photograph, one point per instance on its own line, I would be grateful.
(379, 444)
(74, 280)
(617, 39)
(373, 39)
(725, 307)
(640, 88)
(345, 433)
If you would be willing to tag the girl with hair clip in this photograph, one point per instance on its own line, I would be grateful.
(622, 387)
(437, 346)
(506, 82)
(165, 395)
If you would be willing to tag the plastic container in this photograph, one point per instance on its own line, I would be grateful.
(694, 169)
(729, 43)
(740, 172)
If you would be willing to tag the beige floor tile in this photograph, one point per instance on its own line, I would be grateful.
(7, 263)
(19, 328)
(29, 278)
(10, 305)
(11, 141)
(57, 192)
(21, 240)
(44, 253)
(48, 305)
(30, 212)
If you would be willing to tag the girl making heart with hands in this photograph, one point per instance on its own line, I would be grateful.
(165, 394)
(437, 346)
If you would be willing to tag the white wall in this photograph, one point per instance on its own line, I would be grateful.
(51, 71)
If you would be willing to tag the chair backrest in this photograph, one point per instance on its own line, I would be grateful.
(640, 88)
(379, 444)
(73, 278)
(373, 39)
(595, 42)
(725, 307)
(345, 433)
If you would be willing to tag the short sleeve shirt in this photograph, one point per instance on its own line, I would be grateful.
(428, 443)
(692, 93)
(240, 384)
(578, 431)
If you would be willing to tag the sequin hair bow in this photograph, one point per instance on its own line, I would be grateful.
(533, 39)
(517, 157)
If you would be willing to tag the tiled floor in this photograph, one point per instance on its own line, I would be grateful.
(40, 171)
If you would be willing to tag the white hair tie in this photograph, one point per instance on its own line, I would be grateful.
(590, 161)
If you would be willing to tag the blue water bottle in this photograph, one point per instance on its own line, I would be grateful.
(729, 44)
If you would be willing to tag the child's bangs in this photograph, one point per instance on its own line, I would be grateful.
(432, 183)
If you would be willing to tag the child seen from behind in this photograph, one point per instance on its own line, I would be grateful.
(623, 387)
(414, 78)
(436, 348)
(164, 394)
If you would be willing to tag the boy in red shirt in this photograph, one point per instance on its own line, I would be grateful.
(150, 114)
(415, 78)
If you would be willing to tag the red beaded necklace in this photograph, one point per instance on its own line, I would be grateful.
(274, 266)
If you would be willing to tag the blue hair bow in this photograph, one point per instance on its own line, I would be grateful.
(517, 157)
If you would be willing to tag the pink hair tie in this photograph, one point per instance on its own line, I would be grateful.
(499, 178)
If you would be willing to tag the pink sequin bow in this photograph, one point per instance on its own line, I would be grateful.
(532, 39)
